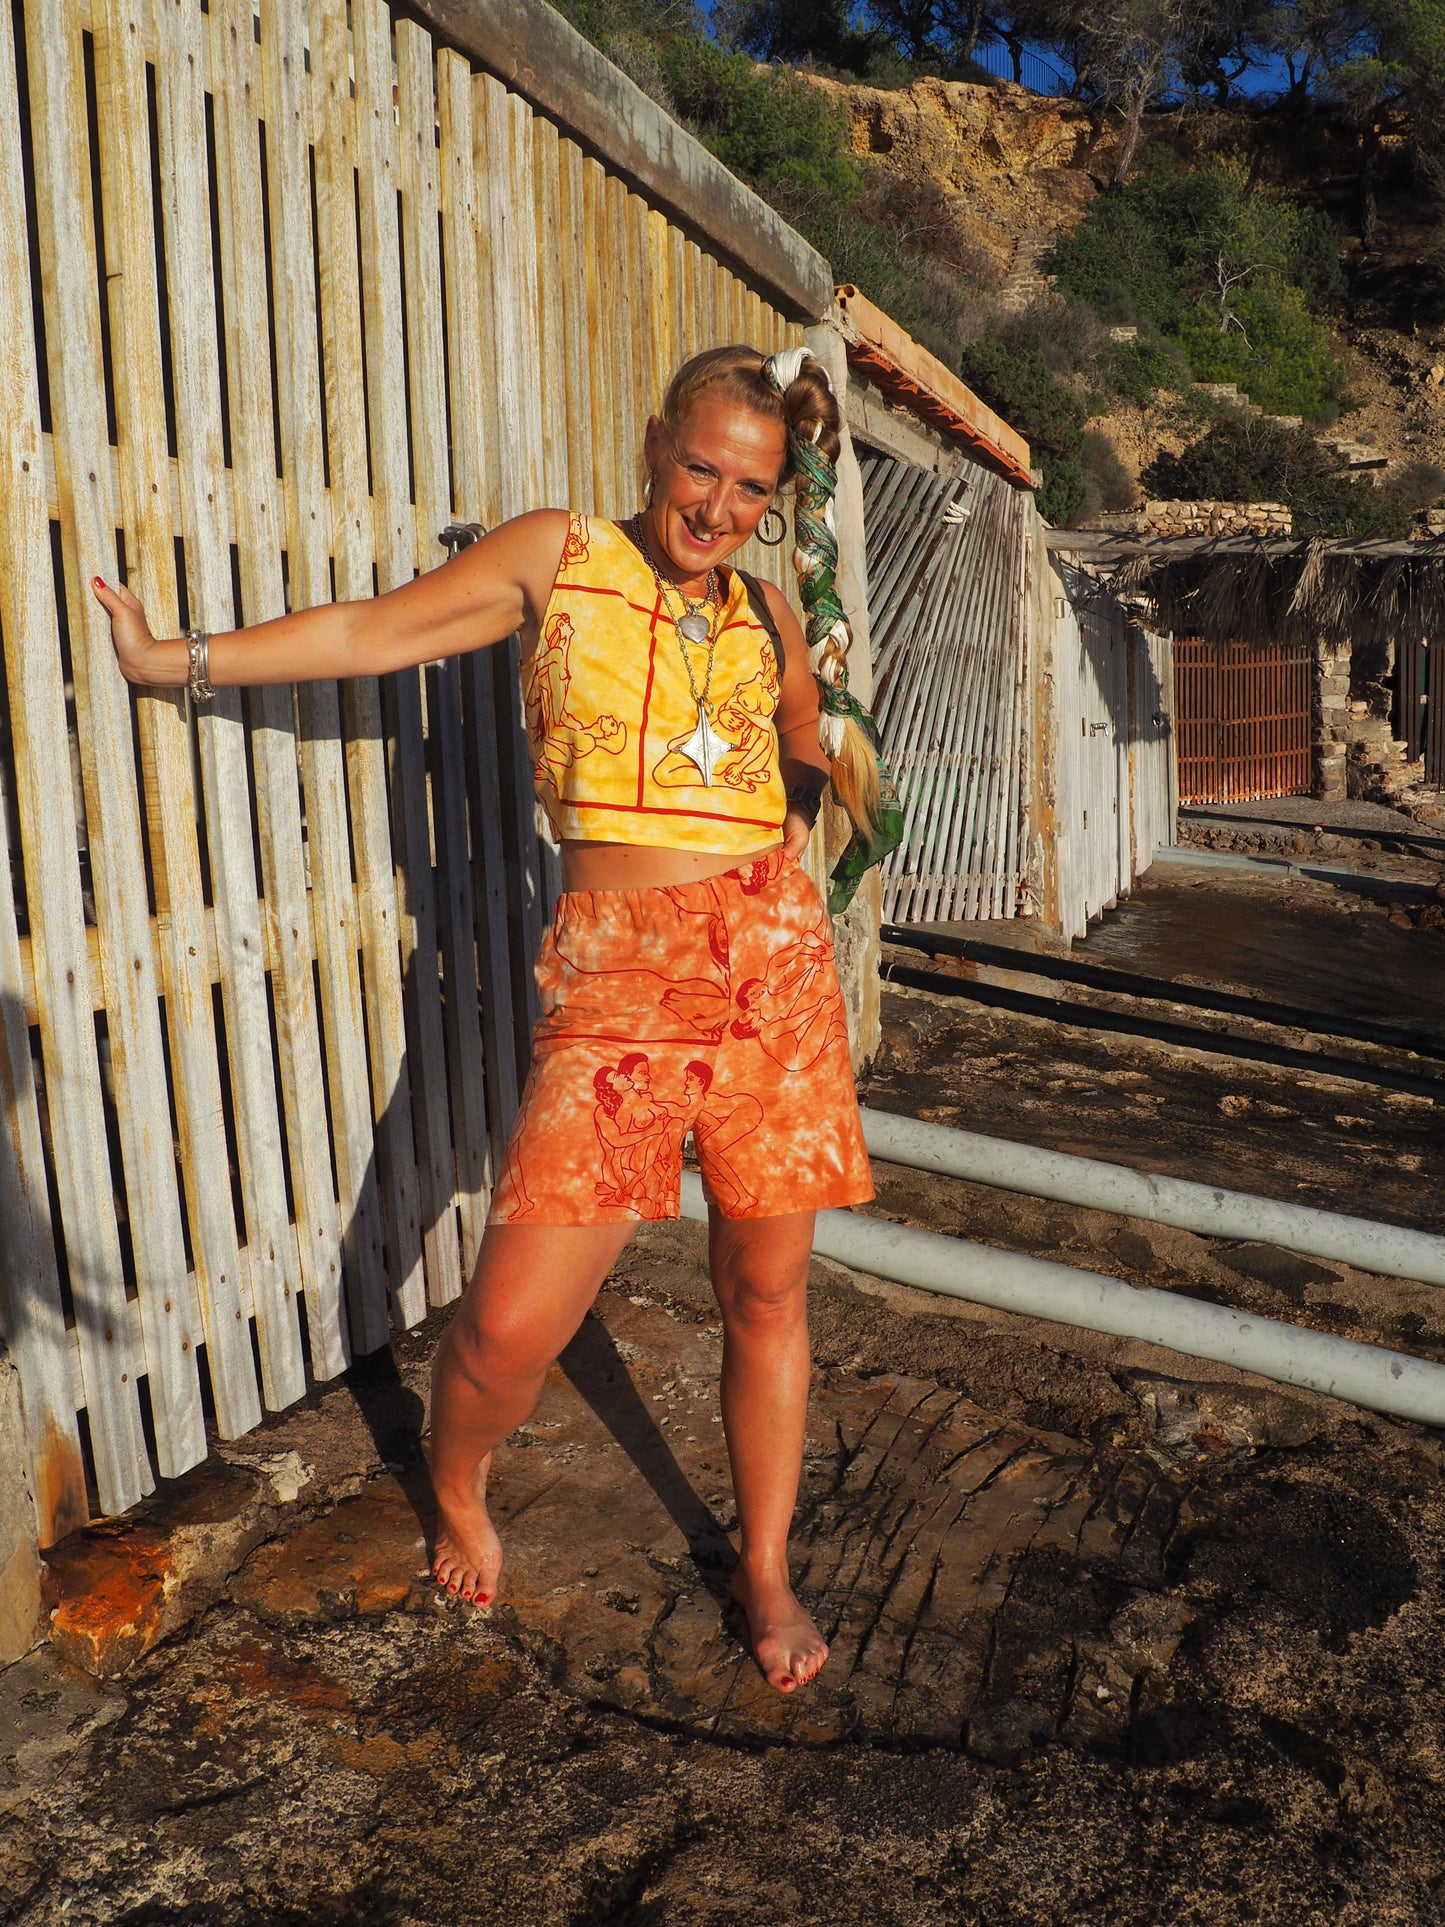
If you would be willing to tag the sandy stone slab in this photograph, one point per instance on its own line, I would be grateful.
(919, 1514)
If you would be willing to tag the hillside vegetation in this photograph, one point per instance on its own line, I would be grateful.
(1173, 243)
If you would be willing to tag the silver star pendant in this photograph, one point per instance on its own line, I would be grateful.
(705, 747)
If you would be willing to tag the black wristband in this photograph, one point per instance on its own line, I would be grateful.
(805, 792)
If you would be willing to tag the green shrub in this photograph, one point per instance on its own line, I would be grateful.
(1018, 384)
(1238, 277)
(1275, 351)
(1245, 459)
(771, 128)
(1137, 370)
(1111, 484)
(1117, 262)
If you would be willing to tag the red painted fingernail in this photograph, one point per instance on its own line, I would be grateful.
(99, 581)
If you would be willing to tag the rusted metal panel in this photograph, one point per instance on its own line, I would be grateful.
(1243, 720)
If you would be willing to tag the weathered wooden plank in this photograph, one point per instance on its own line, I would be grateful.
(576, 358)
(599, 333)
(86, 507)
(622, 388)
(426, 1133)
(225, 778)
(551, 322)
(130, 249)
(49, 841)
(467, 248)
(512, 229)
(526, 299)
(519, 474)
(32, 1317)
(677, 295)
(469, 1166)
(699, 335)
(334, 134)
(639, 276)
(260, 527)
(664, 352)
(308, 540)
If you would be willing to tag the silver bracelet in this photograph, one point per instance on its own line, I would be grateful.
(198, 658)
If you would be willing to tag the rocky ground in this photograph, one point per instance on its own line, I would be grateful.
(1118, 1637)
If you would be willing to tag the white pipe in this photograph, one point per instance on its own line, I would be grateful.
(1386, 1249)
(1367, 1375)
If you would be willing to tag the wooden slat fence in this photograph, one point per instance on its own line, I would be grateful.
(283, 290)
(946, 614)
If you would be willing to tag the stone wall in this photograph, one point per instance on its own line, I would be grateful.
(1197, 518)
(1356, 750)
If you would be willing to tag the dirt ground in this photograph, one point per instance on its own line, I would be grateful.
(1117, 1637)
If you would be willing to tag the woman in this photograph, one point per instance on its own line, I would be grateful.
(683, 909)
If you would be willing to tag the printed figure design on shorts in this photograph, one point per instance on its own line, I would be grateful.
(794, 1011)
(559, 738)
(719, 1121)
(510, 1200)
(641, 1138)
(709, 1008)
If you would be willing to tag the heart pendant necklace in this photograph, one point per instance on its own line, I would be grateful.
(704, 748)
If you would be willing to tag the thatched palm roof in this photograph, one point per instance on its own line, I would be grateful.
(1273, 589)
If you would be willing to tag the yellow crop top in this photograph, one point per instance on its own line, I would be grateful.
(609, 708)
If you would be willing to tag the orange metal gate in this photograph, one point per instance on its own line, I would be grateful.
(1242, 719)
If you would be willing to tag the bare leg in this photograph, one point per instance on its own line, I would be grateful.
(531, 1290)
(760, 1274)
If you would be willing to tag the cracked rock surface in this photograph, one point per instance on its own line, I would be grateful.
(1117, 1637)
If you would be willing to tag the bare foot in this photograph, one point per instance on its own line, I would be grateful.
(787, 1646)
(468, 1556)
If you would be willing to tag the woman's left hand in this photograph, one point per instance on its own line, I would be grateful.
(796, 831)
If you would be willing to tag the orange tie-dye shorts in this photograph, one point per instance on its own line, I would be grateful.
(711, 1008)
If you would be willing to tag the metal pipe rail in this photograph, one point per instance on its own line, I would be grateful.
(1368, 1375)
(1385, 1249)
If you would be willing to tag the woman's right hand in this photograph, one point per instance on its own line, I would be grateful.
(142, 658)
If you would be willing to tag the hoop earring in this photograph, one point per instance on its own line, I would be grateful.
(647, 487)
(772, 541)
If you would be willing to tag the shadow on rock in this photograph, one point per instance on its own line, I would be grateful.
(598, 1374)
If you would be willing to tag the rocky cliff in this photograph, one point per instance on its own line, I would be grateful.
(1017, 169)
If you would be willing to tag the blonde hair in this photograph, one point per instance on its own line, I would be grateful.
(793, 390)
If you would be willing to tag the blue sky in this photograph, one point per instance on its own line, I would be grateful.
(1263, 78)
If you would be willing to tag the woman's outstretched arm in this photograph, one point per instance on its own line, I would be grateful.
(498, 584)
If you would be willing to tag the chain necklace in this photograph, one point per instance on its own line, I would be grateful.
(704, 748)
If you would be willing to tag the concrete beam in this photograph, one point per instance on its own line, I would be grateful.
(530, 47)
(893, 431)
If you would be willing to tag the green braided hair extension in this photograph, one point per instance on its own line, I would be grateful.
(877, 827)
